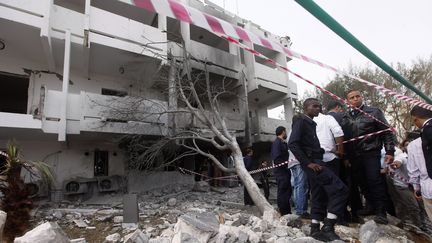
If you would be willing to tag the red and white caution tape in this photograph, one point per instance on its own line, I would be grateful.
(366, 136)
(177, 10)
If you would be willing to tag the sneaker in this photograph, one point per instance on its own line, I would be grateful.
(315, 229)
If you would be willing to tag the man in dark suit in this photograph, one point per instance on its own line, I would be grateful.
(422, 118)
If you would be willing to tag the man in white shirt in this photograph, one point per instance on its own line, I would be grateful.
(330, 136)
(418, 175)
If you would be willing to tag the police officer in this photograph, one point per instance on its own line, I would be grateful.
(329, 193)
(364, 156)
(279, 154)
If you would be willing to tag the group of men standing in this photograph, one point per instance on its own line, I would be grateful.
(338, 172)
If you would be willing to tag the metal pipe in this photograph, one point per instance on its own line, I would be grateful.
(331, 23)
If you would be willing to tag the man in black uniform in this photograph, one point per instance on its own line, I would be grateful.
(422, 118)
(279, 154)
(329, 193)
(364, 155)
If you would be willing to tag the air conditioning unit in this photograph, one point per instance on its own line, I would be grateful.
(72, 187)
(109, 183)
(37, 188)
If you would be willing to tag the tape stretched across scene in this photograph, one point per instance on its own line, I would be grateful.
(222, 28)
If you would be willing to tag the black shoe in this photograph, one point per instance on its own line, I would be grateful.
(328, 230)
(342, 221)
(315, 229)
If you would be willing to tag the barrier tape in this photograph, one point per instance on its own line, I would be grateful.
(179, 11)
(256, 53)
(366, 136)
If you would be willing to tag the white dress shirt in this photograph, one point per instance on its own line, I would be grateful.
(418, 175)
(327, 130)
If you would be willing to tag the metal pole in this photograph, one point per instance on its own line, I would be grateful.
(331, 23)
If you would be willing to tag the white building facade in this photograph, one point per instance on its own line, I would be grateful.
(57, 57)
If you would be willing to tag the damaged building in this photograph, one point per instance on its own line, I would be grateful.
(62, 62)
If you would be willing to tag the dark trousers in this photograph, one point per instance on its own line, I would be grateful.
(284, 190)
(265, 186)
(334, 165)
(328, 192)
(366, 174)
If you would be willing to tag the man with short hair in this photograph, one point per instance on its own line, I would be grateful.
(329, 194)
(335, 109)
(279, 154)
(421, 172)
(364, 155)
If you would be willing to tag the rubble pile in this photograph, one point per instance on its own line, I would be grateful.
(179, 215)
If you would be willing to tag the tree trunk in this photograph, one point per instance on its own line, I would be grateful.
(253, 189)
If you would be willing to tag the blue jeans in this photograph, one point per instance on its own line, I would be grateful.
(300, 186)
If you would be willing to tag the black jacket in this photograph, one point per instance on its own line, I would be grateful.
(303, 142)
(355, 124)
(427, 146)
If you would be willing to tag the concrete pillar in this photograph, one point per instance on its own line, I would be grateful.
(65, 88)
(244, 109)
(162, 22)
(185, 33)
(289, 111)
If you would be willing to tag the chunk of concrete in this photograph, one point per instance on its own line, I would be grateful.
(136, 237)
(48, 232)
(113, 238)
(130, 208)
(201, 225)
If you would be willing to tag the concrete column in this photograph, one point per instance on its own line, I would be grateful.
(162, 22)
(185, 33)
(244, 109)
(289, 111)
(65, 88)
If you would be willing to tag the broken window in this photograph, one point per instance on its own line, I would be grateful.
(100, 163)
(114, 92)
(13, 93)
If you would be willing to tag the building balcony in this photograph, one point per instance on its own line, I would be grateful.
(89, 112)
(263, 128)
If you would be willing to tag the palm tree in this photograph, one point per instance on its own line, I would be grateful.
(16, 200)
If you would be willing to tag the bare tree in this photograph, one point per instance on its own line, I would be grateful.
(193, 95)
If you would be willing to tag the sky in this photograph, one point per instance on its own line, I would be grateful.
(396, 30)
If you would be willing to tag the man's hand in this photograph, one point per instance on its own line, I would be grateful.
(388, 159)
(314, 167)
(396, 164)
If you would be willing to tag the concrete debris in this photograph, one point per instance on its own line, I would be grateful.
(136, 237)
(172, 202)
(79, 240)
(169, 215)
(80, 223)
(45, 233)
(113, 238)
(373, 232)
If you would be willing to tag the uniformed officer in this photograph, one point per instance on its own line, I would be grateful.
(279, 154)
(329, 193)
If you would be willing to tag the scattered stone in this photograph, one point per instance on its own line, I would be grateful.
(90, 228)
(48, 232)
(281, 231)
(113, 238)
(172, 202)
(136, 237)
(201, 186)
(104, 218)
(307, 240)
(372, 232)
(182, 237)
(80, 223)
(79, 240)
(57, 215)
(347, 233)
(201, 225)
(118, 219)
(291, 220)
